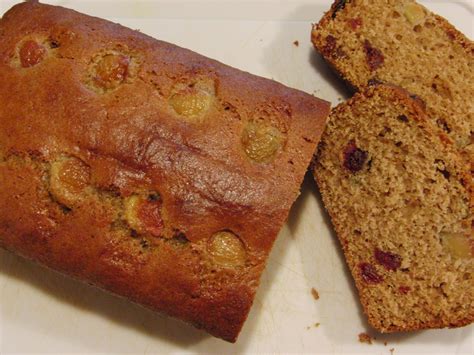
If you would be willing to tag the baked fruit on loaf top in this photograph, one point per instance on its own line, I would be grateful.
(144, 168)
(401, 202)
(401, 42)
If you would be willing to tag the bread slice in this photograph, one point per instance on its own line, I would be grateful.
(401, 42)
(144, 168)
(401, 203)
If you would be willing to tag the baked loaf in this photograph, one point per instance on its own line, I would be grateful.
(144, 168)
(401, 42)
(401, 202)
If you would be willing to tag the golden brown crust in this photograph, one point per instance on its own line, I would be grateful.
(400, 297)
(121, 156)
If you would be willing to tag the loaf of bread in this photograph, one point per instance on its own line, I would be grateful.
(401, 42)
(402, 204)
(144, 168)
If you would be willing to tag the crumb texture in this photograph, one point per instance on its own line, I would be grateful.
(400, 199)
(144, 168)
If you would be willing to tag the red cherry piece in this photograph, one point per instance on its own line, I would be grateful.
(31, 53)
(369, 273)
(150, 216)
(388, 260)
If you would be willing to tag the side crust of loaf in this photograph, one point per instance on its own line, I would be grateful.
(144, 168)
(402, 204)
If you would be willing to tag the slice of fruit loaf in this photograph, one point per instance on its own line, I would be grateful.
(401, 42)
(401, 203)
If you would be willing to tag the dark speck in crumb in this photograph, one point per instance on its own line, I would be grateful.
(339, 5)
(144, 244)
(153, 197)
(403, 118)
(296, 43)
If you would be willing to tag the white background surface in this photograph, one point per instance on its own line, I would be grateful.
(43, 312)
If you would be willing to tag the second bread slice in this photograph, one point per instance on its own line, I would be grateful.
(402, 42)
(401, 204)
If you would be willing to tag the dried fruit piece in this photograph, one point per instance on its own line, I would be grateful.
(68, 179)
(457, 244)
(226, 250)
(388, 260)
(331, 49)
(31, 53)
(414, 13)
(261, 141)
(404, 289)
(191, 102)
(193, 99)
(451, 33)
(111, 70)
(374, 56)
(330, 45)
(355, 23)
(143, 214)
(369, 273)
(354, 158)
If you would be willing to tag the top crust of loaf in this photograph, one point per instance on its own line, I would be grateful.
(402, 42)
(144, 168)
(402, 204)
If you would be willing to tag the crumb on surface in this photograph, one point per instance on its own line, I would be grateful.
(315, 293)
(315, 325)
(392, 351)
(365, 338)
(296, 43)
(385, 343)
